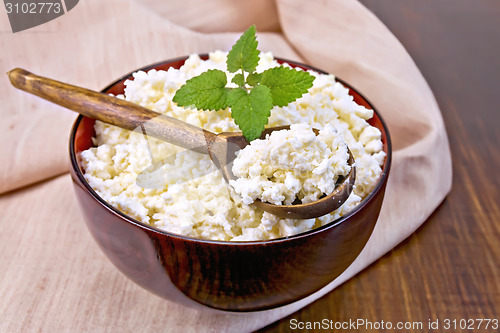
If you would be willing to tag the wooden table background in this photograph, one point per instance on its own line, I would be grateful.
(450, 268)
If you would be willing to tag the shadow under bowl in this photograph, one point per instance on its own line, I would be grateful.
(231, 276)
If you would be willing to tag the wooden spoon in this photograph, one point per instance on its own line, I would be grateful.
(221, 147)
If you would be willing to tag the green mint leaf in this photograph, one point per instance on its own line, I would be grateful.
(251, 111)
(205, 92)
(254, 78)
(244, 54)
(239, 79)
(286, 84)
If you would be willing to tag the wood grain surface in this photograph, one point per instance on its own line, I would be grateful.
(449, 269)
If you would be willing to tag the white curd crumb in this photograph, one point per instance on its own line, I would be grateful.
(188, 195)
(290, 165)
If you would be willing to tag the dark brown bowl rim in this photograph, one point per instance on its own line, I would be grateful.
(378, 187)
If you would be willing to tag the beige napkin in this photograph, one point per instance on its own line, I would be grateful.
(54, 277)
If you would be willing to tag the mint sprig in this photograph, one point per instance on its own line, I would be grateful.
(257, 93)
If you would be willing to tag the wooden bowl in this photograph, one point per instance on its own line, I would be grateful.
(232, 276)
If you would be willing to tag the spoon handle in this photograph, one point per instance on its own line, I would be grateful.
(113, 110)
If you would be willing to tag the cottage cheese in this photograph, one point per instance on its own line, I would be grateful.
(291, 164)
(187, 194)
